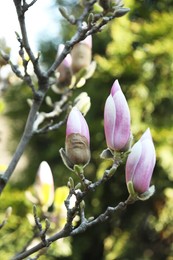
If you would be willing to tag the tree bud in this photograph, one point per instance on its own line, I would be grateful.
(77, 151)
(82, 102)
(64, 69)
(117, 120)
(81, 54)
(139, 166)
(44, 185)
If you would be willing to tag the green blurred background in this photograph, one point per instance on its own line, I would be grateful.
(136, 49)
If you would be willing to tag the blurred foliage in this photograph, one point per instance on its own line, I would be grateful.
(136, 49)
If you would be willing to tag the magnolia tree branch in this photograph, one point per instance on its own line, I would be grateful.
(87, 23)
(43, 76)
(78, 209)
(69, 231)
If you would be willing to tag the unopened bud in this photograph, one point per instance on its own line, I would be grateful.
(44, 185)
(82, 204)
(121, 11)
(117, 120)
(83, 103)
(81, 54)
(64, 69)
(90, 219)
(140, 165)
(8, 212)
(77, 151)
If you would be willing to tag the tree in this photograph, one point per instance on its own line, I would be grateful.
(108, 56)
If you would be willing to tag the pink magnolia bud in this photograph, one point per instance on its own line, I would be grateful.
(117, 119)
(44, 185)
(140, 163)
(82, 54)
(77, 138)
(64, 69)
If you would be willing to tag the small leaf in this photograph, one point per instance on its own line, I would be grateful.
(121, 11)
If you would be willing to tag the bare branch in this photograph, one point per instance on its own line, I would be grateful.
(50, 127)
(82, 227)
(25, 41)
(27, 135)
(42, 232)
(26, 6)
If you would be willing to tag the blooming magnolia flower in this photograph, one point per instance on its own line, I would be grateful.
(81, 54)
(77, 138)
(140, 163)
(117, 119)
(44, 185)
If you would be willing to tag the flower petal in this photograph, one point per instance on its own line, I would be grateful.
(132, 161)
(144, 169)
(76, 124)
(109, 121)
(122, 124)
(115, 87)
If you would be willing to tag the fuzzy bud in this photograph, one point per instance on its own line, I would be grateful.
(117, 120)
(139, 166)
(44, 185)
(77, 150)
(81, 54)
(64, 69)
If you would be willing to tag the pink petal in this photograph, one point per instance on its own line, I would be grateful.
(67, 60)
(109, 121)
(115, 87)
(122, 125)
(76, 124)
(146, 135)
(132, 161)
(144, 169)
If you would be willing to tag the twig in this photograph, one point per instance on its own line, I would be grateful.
(80, 229)
(27, 135)
(21, 17)
(50, 127)
(42, 232)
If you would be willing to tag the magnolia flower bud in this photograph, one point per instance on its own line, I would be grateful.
(140, 164)
(44, 185)
(82, 54)
(77, 149)
(117, 120)
(82, 102)
(64, 69)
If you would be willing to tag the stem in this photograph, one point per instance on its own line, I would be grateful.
(61, 234)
